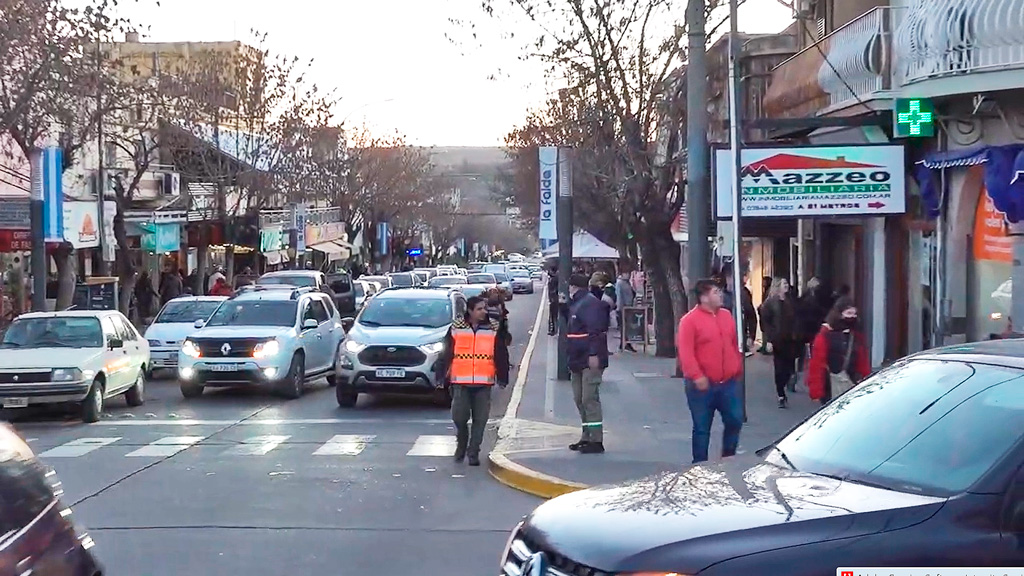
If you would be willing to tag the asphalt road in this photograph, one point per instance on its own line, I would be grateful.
(240, 482)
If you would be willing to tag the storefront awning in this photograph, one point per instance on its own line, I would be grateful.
(276, 257)
(333, 250)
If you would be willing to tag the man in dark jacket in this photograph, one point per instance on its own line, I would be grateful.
(588, 358)
(552, 300)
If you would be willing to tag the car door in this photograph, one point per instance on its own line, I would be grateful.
(131, 348)
(332, 331)
(139, 348)
(312, 338)
(115, 361)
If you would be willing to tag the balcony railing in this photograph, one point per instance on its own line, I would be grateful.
(940, 38)
(851, 64)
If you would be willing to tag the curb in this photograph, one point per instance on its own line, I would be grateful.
(500, 466)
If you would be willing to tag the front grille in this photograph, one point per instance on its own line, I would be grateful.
(240, 347)
(25, 377)
(521, 551)
(392, 356)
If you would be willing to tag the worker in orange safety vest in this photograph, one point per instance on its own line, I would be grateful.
(475, 358)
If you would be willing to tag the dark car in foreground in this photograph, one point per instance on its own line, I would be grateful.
(919, 465)
(37, 536)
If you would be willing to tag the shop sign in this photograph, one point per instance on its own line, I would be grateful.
(991, 242)
(80, 224)
(809, 181)
(165, 237)
(15, 240)
(271, 239)
(14, 214)
(317, 233)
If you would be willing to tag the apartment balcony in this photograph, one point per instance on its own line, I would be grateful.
(946, 47)
(846, 73)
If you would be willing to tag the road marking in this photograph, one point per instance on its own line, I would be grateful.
(167, 446)
(79, 447)
(428, 445)
(275, 422)
(256, 446)
(344, 445)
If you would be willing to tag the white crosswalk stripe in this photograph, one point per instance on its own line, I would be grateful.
(79, 447)
(168, 446)
(350, 445)
(344, 445)
(256, 446)
(427, 445)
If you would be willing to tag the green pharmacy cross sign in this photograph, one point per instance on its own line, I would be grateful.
(913, 118)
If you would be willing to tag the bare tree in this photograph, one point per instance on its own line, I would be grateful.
(615, 58)
(49, 77)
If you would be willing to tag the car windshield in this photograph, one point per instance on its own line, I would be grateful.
(425, 312)
(405, 279)
(446, 281)
(382, 280)
(494, 268)
(422, 275)
(300, 280)
(925, 426)
(54, 332)
(187, 311)
(500, 278)
(480, 279)
(520, 273)
(255, 313)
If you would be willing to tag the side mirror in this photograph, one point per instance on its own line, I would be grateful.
(309, 324)
(199, 323)
(347, 323)
(114, 343)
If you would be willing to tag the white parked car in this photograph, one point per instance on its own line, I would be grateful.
(175, 322)
(81, 357)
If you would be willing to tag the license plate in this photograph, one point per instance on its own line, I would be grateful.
(225, 367)
(390, 373)
(15, 402)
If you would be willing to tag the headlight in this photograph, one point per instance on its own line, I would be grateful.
(66, 375)
(153, 343)
(266, 349)
(433, 347)
(354, 347)
(189, 348)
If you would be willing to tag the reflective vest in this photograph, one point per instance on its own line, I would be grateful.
(473, 362)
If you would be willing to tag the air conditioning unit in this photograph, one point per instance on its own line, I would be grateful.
(172, 184)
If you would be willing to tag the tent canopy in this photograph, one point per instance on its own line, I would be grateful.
(586, 247)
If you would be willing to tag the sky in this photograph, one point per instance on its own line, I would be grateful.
(392, 62)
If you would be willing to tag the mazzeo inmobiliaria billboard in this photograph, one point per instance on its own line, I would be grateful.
(814, 181)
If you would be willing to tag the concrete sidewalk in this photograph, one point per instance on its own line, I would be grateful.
(647, 423)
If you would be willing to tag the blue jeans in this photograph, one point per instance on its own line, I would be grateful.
(726, 399)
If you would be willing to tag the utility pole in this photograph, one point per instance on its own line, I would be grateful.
(698, 180)
(563, 217)
(736, 142)
(100, 267)
(37, 265)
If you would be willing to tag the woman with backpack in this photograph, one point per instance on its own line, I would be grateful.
(839, 357)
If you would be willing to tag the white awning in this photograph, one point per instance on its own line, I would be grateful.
(333, 250)
(276, 257)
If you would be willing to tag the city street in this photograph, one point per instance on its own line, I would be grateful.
(240, 482)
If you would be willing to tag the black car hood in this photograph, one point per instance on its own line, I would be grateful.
(685, 521)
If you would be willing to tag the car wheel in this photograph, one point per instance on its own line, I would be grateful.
(347, 396)
(135, 396)
(191, 390)
(92, 406)
(292, 386)
(443, 397)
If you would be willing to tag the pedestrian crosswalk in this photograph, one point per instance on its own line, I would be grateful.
(339, 445)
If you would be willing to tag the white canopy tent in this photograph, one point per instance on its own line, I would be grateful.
(586, 247)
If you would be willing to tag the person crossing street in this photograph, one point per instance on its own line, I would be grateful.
(475, 359)
(588, 358)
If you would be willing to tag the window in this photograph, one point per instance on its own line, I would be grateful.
(110, 154)
(422, 312)
(923, 426)
(124, 331)
(186, 312)
(460, 307)
(317, 311)
(109, 330)
(329, 306)
(24, 493)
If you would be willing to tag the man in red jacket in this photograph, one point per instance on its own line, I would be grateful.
(710, 359)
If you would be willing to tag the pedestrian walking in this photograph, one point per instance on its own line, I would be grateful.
(553, 306)
(588, 358)
(498, 312)
(812, 307)
(475, 359)
(781, 333)
(146, 297)
(171, 285)
(749, 312)
(625, 296)
(711, 363)
(839, 356)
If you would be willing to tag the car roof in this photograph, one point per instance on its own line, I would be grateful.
(198, 299)
(291, 273)
(71, 314)
(271, 294)
(1006, 352)
(417, 291)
